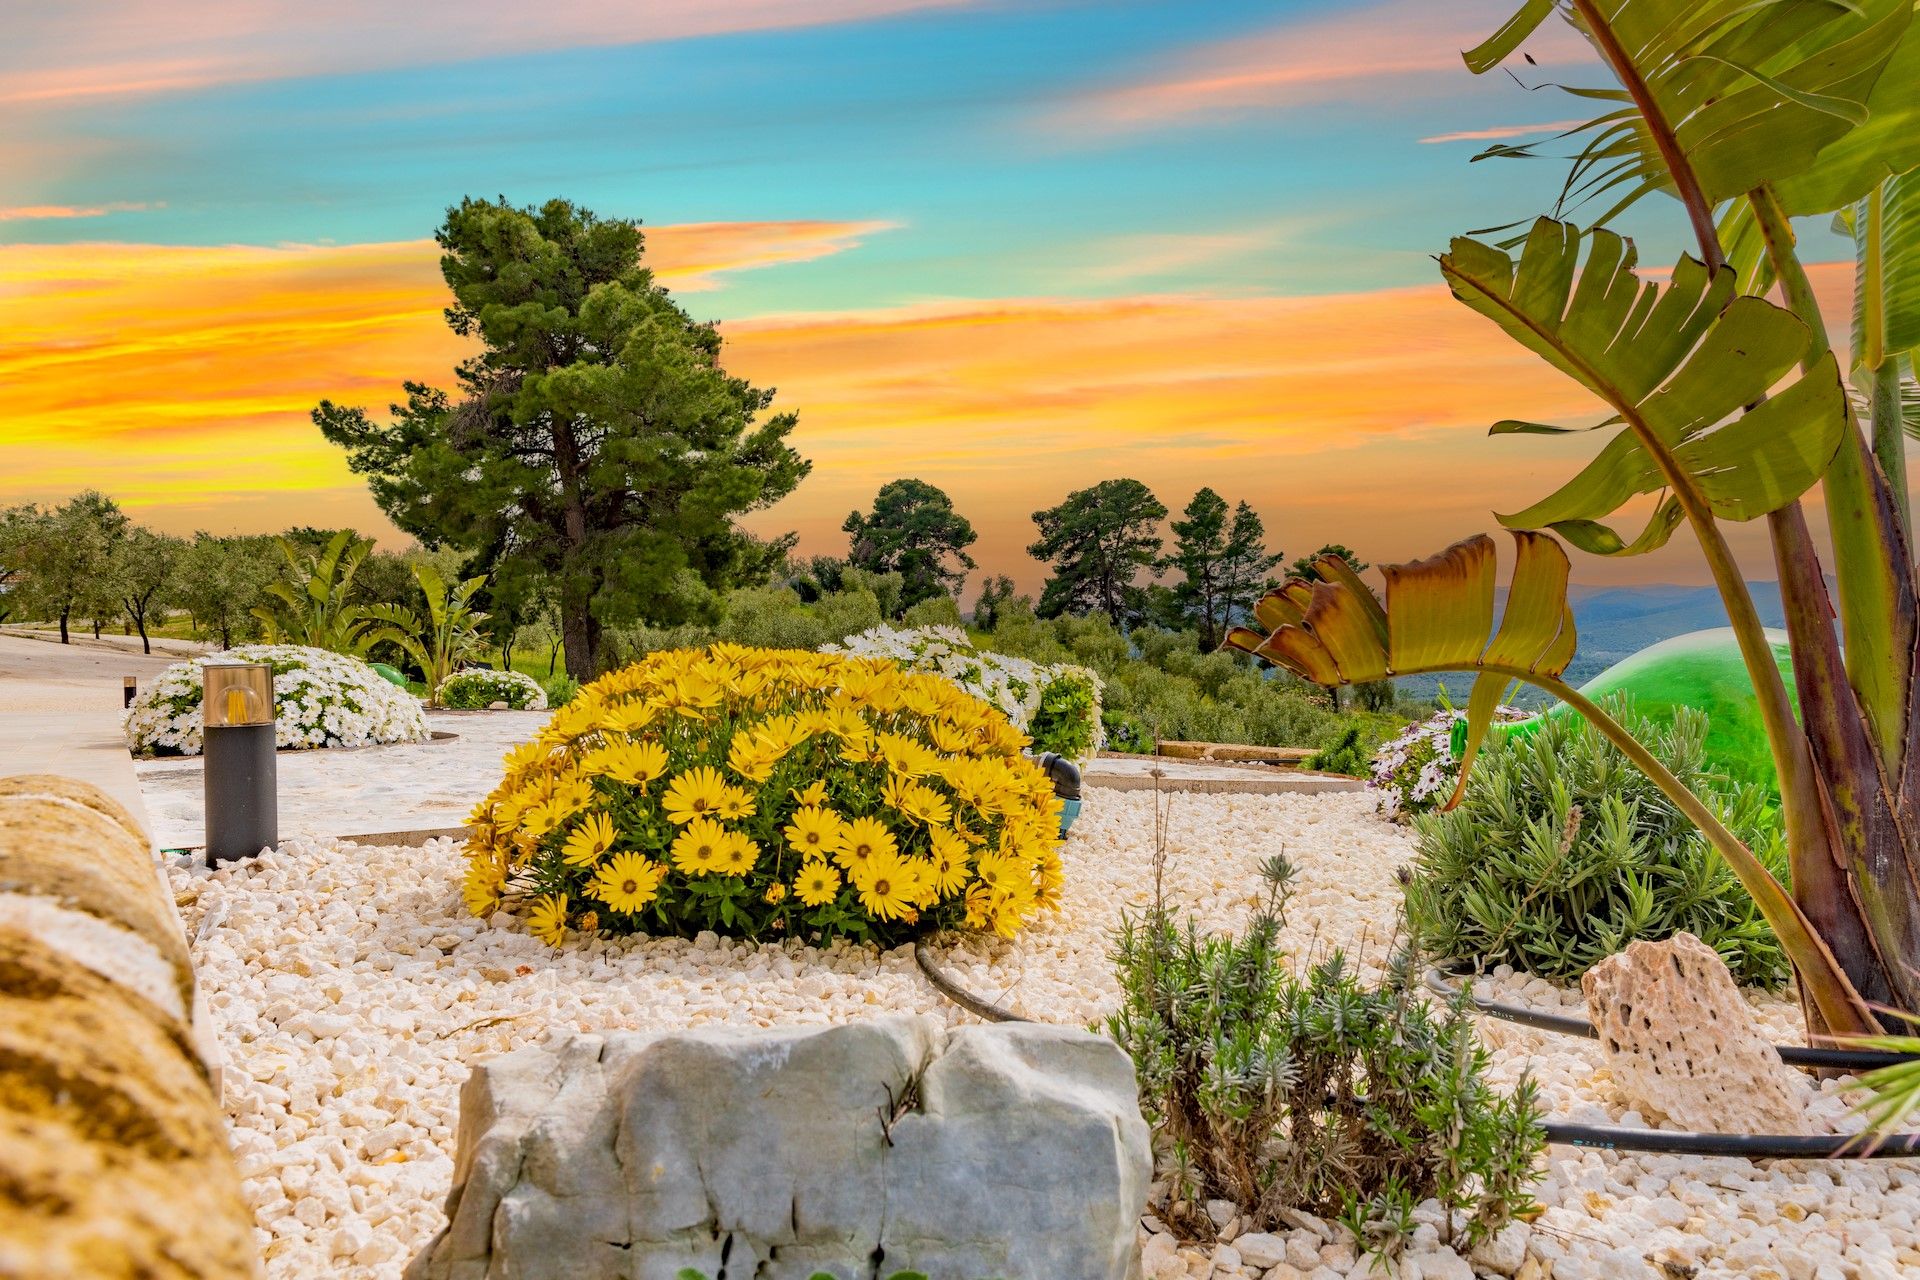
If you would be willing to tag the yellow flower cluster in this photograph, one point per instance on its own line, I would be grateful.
(768, 792)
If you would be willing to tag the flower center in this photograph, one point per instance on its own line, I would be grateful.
(628, 886)
(882, 888)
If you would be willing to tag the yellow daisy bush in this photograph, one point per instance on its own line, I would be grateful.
(768, 793)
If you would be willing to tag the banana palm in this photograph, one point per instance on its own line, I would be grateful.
(449, 636)
(1728, 407)
(313, 606)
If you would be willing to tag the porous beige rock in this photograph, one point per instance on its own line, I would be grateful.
(1681, 1043)
(113, 1153)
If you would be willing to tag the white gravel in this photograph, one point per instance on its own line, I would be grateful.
(351, 990)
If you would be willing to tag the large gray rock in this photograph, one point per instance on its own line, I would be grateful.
(1006, 1153)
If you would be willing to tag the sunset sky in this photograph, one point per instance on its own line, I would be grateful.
(1009, 248)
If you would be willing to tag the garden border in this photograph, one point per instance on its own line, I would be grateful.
(1757, 1146)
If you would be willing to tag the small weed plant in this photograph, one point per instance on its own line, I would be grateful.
(1318, 1093)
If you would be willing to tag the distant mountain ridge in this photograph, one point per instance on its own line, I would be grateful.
(1617, 621)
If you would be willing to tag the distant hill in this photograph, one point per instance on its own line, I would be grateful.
(1617, 621)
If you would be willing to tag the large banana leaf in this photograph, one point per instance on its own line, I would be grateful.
(1738, 93)
(1677, 365)
(1438, 616)
(1885, 226)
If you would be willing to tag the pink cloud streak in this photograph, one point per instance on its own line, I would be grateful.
(1376, 52)
(101, 48)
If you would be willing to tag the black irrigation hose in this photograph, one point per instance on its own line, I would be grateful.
(1792, 1054)
(1755, 1146)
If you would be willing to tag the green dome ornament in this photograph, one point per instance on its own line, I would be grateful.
(1702, 670)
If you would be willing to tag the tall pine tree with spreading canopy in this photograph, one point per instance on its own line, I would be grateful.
(596, 451)
(1223, 563)
(913, 531)
(1098, 541)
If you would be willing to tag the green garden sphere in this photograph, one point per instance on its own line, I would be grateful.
(388, 674)
(1702, 670)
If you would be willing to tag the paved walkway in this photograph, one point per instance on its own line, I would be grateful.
(1135, 773)
(60, 712)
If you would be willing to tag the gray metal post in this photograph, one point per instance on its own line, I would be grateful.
(241, 770)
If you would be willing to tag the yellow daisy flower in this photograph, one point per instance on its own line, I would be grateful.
(588, 841)
(949, 861)
(862, 840)
(481, 885)
(738, 854)
(548, 919)
(817, 884)
(775, 895)
(700, 848)
(885, 884)
(628, 882)
(815, 793)
(736, 804)
(697, 793)
(814, 832)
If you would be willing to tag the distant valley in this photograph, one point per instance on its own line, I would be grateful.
(1617, 621)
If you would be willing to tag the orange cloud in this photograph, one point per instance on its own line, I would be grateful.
(1505, 131)
(179, 379)
(1364, 54)
(33, 212)
(101, 48)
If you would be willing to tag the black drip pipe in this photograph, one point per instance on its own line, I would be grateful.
(1750, 1146)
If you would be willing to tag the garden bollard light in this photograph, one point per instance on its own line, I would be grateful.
(129, 686)
(243, 809)
(1066, 785)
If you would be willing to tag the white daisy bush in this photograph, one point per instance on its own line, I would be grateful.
(321, 699)
(478, 688)
(1057, 706)
(1417, 771)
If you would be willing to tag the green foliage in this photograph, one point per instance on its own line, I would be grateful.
(1223, 565)
(1281, 1092)
(220, 581)
(934, 611)
(313, 606)
(1347, 754)
(913, 531)
(1067, 718)
(996, 598)
(1563, 852)
(141, 569)
(1098, 541)
(478, 688)
(446, 639)
(62, 559)
(1124, 733)
(1305, 568)
(560, 689)
(597, 452)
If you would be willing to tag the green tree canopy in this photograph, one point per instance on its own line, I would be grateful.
(1223, 564)
(220, 581)
(65, 557)
(142, 572)
(1303, 567)
(1097, 542)
(913, 531)
(596, 449)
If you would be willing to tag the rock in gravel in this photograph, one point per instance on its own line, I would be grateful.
(1260, 1249)
(1682, 1043)
(1014, 1151)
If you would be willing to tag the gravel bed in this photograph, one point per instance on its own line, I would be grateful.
(351, 990)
